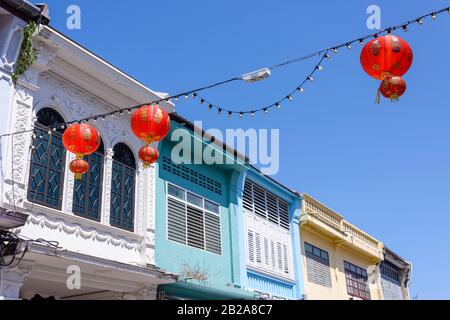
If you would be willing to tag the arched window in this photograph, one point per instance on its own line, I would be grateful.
(122, 187)
(47, 161)
(87, 193)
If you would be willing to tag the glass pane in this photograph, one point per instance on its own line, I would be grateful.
(325, 255)
(308, 248)
(317, 252)
(195, 200)
(175, 192)
(211, 206)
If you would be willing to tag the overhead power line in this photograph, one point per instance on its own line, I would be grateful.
(194, 93)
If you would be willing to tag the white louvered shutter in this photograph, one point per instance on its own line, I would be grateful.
(176, 216)
(195, 231)
(258, 247)
(251, 254)
(212, 233)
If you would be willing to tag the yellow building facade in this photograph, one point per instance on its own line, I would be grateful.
(342, 262)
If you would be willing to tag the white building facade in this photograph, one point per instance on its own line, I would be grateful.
(103, 225)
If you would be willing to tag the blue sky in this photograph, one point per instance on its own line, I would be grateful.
(385, 167)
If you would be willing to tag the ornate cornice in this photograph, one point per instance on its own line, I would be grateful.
(87, 233)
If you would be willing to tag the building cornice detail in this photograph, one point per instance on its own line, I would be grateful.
(131, 242)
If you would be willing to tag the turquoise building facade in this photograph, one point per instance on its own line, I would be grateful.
(270, 243)
(197, 211)
(201, 233)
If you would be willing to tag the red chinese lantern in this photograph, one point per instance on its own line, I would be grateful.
(392, 88)
(386, 56)
(79, 167)
(150, 123)
(148, 155)
(81, 139)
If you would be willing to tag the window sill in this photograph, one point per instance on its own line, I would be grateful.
(87, 223)
(269, 273)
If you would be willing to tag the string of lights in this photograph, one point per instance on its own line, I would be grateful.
(194, 93)
(300, 88)
(325, 54)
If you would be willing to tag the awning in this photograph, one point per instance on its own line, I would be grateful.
(190, 291)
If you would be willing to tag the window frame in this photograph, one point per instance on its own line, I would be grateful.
(100, 196)
(122, 193)
(267, 217)
(361, 275)
(317, 258)
(204, 210)
(43, 128)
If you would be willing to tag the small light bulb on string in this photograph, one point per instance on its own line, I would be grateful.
(448, 10)
(194, 95)
(230, 114)
(54, 129)
(327, 56)
(252, 113)
(300, 89)
(241, 115)
(405, 28)
(319, 67)
(278, 105)
(289, 98)
(34, 136)
(265, 110)
(186, 96)
(361, 41)
(175, 98)
(334, 50)
(219, 111)
(210, 106)
(349, 46)
(420, 22)
(202, 101)
(310, 78)
(62, 127)
(49, 132)
(433, 16)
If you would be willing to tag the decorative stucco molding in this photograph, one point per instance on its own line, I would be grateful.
(107, 187)
(85, 232)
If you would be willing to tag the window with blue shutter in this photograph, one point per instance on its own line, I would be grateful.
(48, 156)
(123, 187)
(193, 220)
(87, 193)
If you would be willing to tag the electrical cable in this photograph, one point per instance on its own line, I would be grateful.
(194, 92)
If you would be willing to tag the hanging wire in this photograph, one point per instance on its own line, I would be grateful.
(194, 92)
(277, 104)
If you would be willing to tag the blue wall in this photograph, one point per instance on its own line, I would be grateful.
(230, 266)
(171, 256)
(260, 281)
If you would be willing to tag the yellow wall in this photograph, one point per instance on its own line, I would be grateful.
(337, 254)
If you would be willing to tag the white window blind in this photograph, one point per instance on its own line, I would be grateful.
(251, 254)
(279, 256)
(193, 220)
(258, 247)
(285, 259)
(266, 251)
(266, 205)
